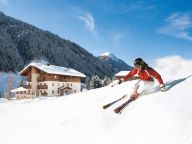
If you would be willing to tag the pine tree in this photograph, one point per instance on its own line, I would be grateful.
(21, 83)
(96, 82)
(7, 93)
(88, 83)
(106, 81)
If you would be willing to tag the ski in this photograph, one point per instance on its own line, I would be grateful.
(119, 109)
(109, 104)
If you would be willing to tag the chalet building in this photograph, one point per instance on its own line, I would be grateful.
(49, 80)
(122, 74)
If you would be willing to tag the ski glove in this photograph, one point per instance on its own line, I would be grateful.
(121, 80)
(163, 88)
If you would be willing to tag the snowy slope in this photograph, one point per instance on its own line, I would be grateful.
(154, 118)
(158, 117)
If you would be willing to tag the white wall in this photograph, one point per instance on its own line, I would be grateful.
(54, 85)
(34, 83)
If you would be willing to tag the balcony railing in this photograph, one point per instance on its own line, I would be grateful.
(44, 94)
(24, 96)
(42, 86)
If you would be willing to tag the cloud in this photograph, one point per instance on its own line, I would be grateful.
(174, 67)
(88, 19)
(4, 1)
(177, 25)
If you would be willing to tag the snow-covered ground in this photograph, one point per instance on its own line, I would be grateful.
(154, 118)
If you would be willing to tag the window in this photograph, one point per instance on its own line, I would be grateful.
(75, 91)
(71, 84)
(52, 91)
(44, 93)
(55, 76)
(53, 84)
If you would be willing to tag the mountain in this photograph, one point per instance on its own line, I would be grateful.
(21, 43)
(114, 62)
(109, 55)
(156, 117)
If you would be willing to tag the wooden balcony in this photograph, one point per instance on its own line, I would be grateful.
(40, 79)
(44, 94)
(42, 86)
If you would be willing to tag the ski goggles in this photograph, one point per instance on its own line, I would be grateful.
(137, 66)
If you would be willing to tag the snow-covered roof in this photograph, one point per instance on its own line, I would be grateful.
(52, 69)
(19, 89)
(122, 73)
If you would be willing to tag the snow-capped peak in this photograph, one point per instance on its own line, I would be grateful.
(109, 54)
(106, 54)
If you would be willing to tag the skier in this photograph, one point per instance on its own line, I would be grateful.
(146, 75)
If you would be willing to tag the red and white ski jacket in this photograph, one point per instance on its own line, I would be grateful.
(146, 75)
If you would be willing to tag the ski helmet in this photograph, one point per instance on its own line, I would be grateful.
(138, 61)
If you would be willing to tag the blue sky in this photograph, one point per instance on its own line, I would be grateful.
(128, 28)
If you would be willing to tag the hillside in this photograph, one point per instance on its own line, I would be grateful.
(156, 117)
(21, 43)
